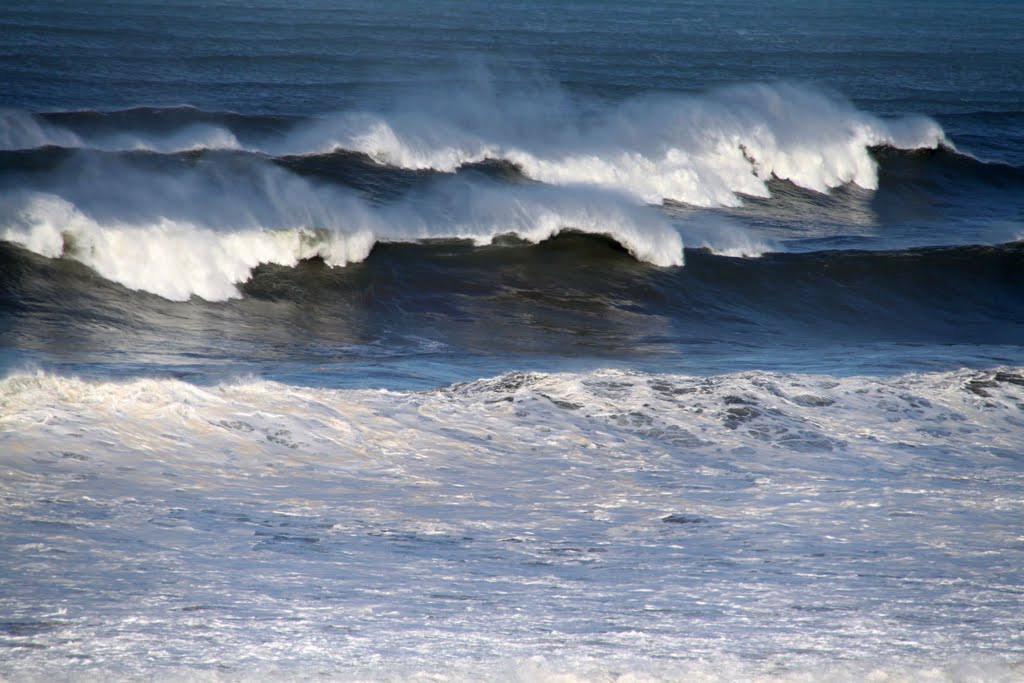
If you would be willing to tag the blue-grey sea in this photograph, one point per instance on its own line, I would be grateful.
(526, 341)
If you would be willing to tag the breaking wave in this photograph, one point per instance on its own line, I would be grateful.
(200, 230)
(705, 150)
(182, 202)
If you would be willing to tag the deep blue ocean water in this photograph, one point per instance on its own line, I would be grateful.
(388, 341)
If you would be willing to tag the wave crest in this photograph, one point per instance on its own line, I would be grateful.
(200, 232)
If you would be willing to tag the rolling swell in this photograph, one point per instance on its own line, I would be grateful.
(779, 148)
(943, 169)
(957, 294)
(208, 217)
(573, 297)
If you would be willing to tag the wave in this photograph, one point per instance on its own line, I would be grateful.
(944, 169)
(704, 150)
(199, 229)
(439, 309)
(20, 130)
(171, 216)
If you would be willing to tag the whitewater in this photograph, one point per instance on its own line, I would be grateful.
(520, 528)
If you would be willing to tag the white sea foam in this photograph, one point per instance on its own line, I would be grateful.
(201, 232)
(599, 526)
(561, 669)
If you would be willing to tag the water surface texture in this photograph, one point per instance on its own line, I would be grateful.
(543, 341)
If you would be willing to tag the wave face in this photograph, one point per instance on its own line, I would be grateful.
(528, 514)
(460, 308)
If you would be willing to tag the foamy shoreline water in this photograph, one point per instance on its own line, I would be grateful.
(756, 525)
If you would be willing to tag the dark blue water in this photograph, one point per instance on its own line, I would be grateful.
(942, 59)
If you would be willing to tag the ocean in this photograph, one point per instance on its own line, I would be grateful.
(528, 341)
